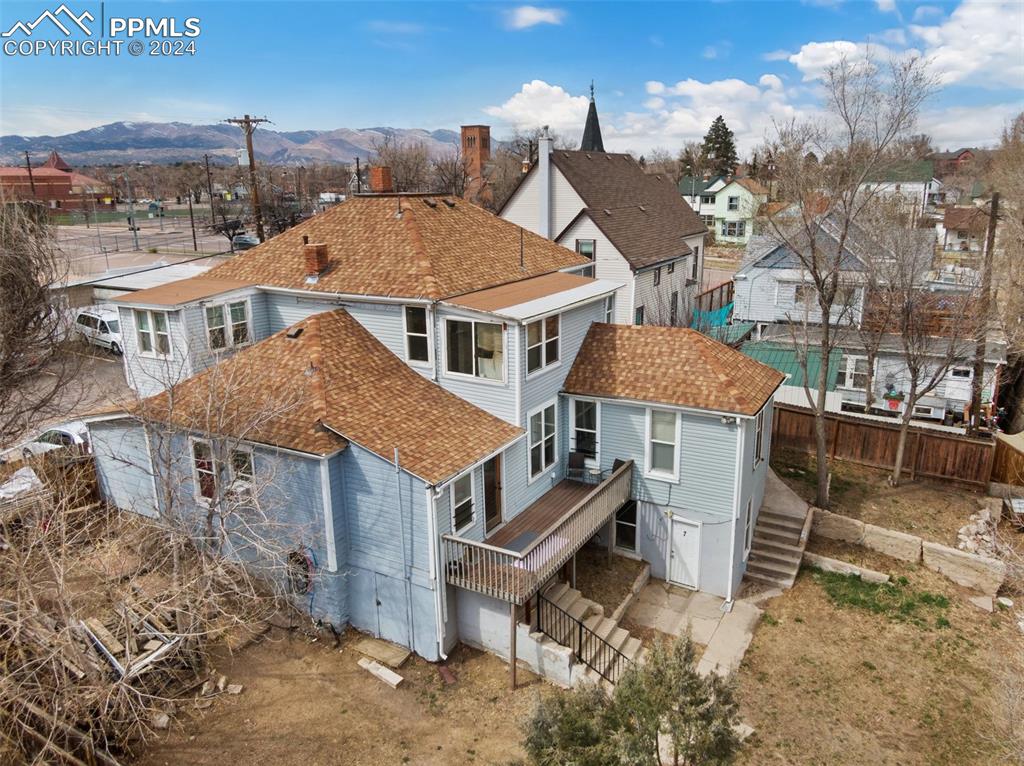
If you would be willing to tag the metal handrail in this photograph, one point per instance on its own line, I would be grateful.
(590, 649)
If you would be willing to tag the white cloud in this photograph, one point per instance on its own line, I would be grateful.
(776, 55)
(538, 103)
(980, 43)
(654, 87)
(709, 52)
(896, 36)
(814, 58)
(770, 81)
(654, 102)
(922, 12)
(886, 6)
(526, 16)
(958, 126)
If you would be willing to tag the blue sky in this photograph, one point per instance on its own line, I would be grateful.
(662, 70)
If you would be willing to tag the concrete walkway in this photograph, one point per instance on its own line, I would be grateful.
(779, 498)
(672, 610)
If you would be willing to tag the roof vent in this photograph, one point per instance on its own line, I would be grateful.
(429, 202)
(449, 202)
(589, 157)
(295, 332)
(607, 211)
(643, 209)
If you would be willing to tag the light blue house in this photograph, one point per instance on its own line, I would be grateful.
(428, 413)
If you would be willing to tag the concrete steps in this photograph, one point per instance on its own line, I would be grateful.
(593, 655)
(777, 549)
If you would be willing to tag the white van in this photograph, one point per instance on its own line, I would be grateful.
(99, 326)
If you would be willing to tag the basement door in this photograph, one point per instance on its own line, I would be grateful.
(392, 611)
(684, 553)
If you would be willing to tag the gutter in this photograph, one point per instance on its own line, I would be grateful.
(341, 297)
(435, 570)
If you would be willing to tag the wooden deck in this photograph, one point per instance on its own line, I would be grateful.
(538, 517)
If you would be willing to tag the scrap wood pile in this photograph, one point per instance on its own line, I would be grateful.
(81, 689)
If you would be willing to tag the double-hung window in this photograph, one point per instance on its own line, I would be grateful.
(475, 348)
(153, 332)
(227, 324)
(663, 444)
(241, 465)
(584, 428)
(854, 372)
(733, 203)
(734, 228)
(417, 339)
(759, 438)
(696, 263)
(542, 440)
(204, 470)
(462, 501)
(609, 309)
(542, 343)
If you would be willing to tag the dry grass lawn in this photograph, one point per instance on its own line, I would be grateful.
(606, 580)
(932, 510)
(828, 683)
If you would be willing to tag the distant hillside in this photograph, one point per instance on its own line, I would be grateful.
(164, 142)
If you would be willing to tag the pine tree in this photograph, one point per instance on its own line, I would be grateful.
(719, 147)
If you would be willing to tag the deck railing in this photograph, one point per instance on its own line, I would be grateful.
(514, 576)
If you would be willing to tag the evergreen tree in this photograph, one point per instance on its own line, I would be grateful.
(719, 147)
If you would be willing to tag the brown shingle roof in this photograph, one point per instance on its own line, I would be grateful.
(669, 365)
(432, 250)
(328, 369)
(642, 214)
(751, 185)
(972, 219)
(183, 291)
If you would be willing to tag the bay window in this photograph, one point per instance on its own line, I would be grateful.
(542, 343)
(542, 440)
(475, 348)
(663, 443)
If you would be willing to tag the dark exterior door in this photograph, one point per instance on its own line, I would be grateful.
(492, 493)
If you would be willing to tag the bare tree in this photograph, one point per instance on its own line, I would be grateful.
(409, 163)
(36, 365)
(869, 109)
(450, 173)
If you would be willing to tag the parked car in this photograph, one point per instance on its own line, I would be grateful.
(99, 326)
(72, 436)
(244, 241)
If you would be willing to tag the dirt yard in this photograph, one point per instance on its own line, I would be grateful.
(840, 677)
(930, 510)
(307, 703)
(605, 580)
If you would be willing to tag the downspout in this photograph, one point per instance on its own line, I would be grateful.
(405, 558)
(435, 570)
(737, 495)
(325, 489)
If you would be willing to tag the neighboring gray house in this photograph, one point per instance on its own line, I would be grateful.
(465, 421)
(633, 225)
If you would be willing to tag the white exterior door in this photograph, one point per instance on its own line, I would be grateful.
(684, 554)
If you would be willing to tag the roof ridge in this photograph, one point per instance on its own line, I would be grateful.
(410, 221)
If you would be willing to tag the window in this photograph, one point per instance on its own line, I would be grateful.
(961, 372)
(748, 529)
(922, 410)
(846, 298)
(672, 268)
(204, 469)
(734, 228)
(709, 220)
(475, 348)
(695, 265)
(223, 317)
(853, 371)
(609, 309)
(758, 438)
(153, 334)
(542, 343)
(733, 203)
(542, 440)
(584, 428)
(657, 276)
(586, 247)
(462, 501)
(638, 315)
(707, 199)
(586, 271)
(662, 443)
(673, 309)
(625, 526)
(417, 342)
(805, 295)
(241, 464)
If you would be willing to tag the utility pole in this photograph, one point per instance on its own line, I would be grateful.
(131, 212)
(359, 178)
(209, 186)
(192, 220)
(31, 180)
(248, 125)
(984, 310)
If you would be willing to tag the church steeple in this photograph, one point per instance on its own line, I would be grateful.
(592, 130)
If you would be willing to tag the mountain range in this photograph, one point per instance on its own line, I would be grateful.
(167, 142)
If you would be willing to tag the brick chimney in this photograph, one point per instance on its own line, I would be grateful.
(380, 180)
(316, 259)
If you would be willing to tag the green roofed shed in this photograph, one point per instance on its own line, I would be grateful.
(783, 357)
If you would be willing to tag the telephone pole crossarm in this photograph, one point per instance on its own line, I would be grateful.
(248, 125)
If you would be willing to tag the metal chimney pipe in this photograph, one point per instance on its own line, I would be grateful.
(544, 146)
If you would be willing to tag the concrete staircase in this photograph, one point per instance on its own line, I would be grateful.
(591, 614)
(780, 536)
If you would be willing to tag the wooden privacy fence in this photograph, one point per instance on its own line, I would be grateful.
(928, 454)
(1008, 464)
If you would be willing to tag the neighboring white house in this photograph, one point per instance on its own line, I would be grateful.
(914, 182)
(962, 229)
(699, 194)
(633, 225)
